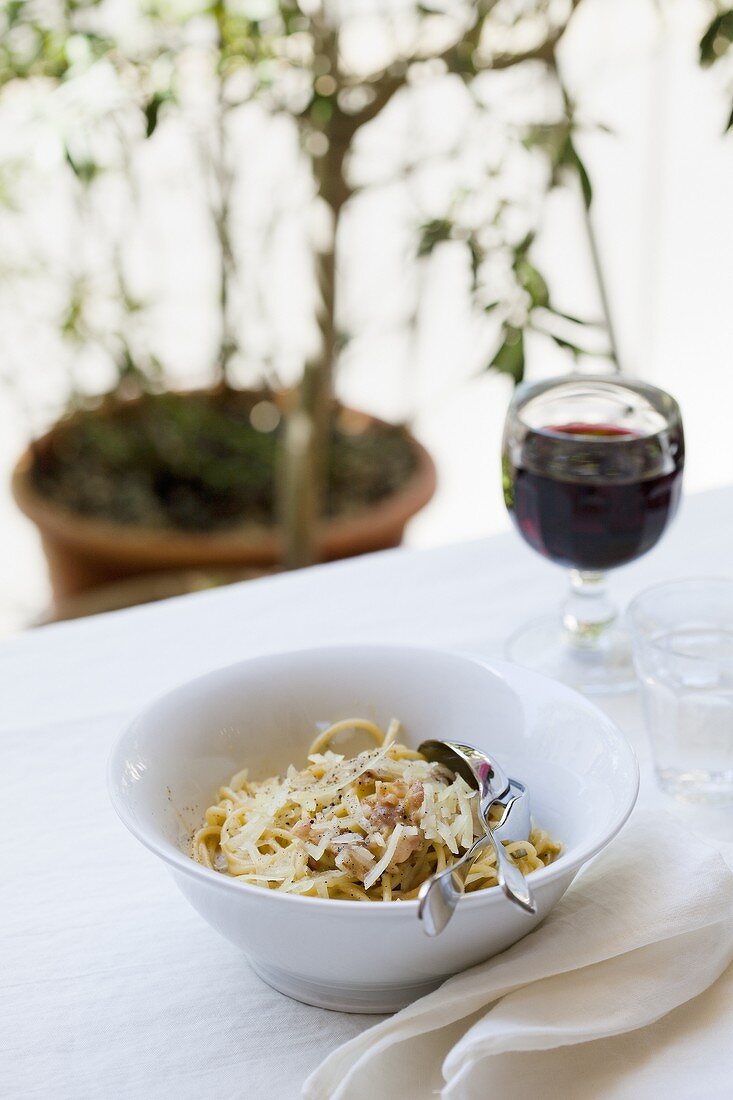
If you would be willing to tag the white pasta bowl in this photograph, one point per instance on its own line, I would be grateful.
(262, 713)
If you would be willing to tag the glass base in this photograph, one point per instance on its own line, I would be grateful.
(696, 786)
(604, 667)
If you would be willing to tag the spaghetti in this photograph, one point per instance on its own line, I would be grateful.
(372, 827)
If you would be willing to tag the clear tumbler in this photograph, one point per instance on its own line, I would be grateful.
(682, 634)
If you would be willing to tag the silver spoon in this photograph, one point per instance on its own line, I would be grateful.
(516, 825)
(473, 765)
(439, 896)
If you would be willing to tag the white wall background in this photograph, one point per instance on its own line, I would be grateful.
(662, 191)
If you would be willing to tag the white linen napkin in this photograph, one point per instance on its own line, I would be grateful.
(645, 928)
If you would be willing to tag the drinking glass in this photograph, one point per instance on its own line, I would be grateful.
(592, 468)
(682, 634)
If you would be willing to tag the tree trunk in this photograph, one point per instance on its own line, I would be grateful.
(307, 433)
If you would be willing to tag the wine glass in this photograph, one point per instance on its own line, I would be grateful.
(592, 470)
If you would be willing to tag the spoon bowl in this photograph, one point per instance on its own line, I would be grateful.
(473, 765)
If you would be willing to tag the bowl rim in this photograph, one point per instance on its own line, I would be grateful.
(568, 861)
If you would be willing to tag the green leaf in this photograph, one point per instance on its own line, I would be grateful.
(321, 110)
(85, 170)
(126, 365)
(151, 111)
(575, 162)
(13, 11)
(566, 345)
(530, 279)
(509, 358)
(550, 137)
(729, 123)
(575, 351)
(433, 233)
(491, 305)
(716, 40)
(71, 322)
(525, 244)
(477, 257)
(570, 316)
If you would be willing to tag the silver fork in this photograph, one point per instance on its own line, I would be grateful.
(439, 895)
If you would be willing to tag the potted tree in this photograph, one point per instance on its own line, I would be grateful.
(145, 478)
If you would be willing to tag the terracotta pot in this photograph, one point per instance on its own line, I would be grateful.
(84, 551)
(145, 588)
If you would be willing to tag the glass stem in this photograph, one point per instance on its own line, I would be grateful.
(587, 613)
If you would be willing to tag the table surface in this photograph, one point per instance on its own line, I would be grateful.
(111, 985)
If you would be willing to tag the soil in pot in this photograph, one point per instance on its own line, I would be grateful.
(205, 461)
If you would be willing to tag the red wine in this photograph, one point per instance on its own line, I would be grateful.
(593, 496)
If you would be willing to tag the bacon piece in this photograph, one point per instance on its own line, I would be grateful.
(384, 815)
(406, 845)
(388, 805)
(414, 799)
(394, 802)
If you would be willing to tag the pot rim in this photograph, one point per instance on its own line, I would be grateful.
(71, 526)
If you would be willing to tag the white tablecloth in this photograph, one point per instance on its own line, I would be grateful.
(111, 985)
